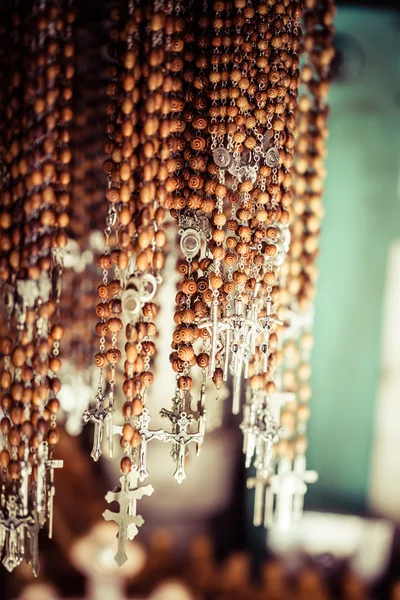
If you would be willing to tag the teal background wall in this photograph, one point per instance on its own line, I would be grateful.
(362, 217)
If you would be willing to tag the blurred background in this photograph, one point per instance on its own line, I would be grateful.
(199, 541)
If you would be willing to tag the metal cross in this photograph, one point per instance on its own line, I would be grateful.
(265, 326)
(100, 415)
(32, 551)
(13, 533)
(146, 435)
(43, 489)
(26, 470)
(288, 486)
(127, 519)
(181, 438)
(51, 490)
(258, 483)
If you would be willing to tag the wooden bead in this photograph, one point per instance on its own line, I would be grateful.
(136, 439)
(18, 357)
(14, 469)
(137, 406)
(4, 458)
(55, 364)
(126, 465)
(53, 437)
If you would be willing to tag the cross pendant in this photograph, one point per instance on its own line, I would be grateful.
(126, 518)
(146, 435)
(258, 483)
(100, 415)
(181, 438)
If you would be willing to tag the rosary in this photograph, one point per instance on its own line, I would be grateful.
(216, 127)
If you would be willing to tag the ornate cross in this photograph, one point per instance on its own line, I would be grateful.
(288, 486)
(146, 435)
(100, 415)
(181, 438)
(26, 470)
(127, 519)
(32, 551)
(265, 324)
(12, 534)
(258, 483)
(43, 489)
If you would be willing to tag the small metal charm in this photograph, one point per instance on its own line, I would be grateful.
(272, 157)
(190, 242)
(222, 157)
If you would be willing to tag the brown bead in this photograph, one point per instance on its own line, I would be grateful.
(127, 409)
(5, 380)
(137, 406)
(16, 414)
(53, 405)
(127, 432)
(14, 469)
(53, 437)
(270, 388)
(126, 465)
(6, 345)
(57, 331)
(14, 436)
(55, 364)
(18, 357)
(136, 439)
(4, 458)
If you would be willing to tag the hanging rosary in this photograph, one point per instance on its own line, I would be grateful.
(216, 126)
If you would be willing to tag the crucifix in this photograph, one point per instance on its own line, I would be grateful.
(298, 322)
(202, 415)
(32, 551)
(146, 435)
(248, 429)
(300, 469)
(100, 416)
(51, 490)
(181, 438)
(44, 489)
(13, 533)
(258, 483)
(260, 427)
(127, 519)
(215, 327)
(26, 470)
(267, 433)
(288, 487)
(265, 329)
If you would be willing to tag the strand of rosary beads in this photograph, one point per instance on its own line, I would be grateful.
(292, 475)
(190, 207)
(10, 124)
(162, 48)
(141, 176)
(40, 180)
(302, 271)
(260, 428)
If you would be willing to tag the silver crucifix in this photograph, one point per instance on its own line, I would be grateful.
(13, 525)
(146, 435)
(100, 416)
(288, 488)
(181, 438)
